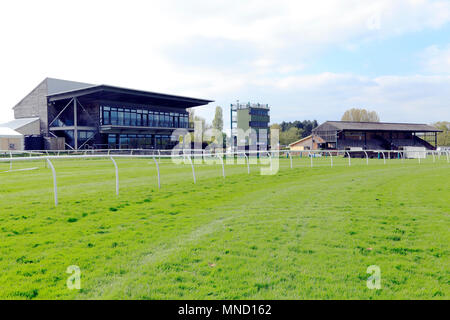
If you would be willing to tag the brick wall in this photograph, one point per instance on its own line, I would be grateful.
(34, 105)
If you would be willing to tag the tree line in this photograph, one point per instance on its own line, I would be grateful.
(293, 131)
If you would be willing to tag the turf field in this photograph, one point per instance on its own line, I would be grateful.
(303, 233)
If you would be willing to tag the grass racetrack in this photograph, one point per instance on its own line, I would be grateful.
(303, 233)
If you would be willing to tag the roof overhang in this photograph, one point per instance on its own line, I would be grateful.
(412, 130)
(117, 94)
(19, 123)
(340, 126)
(6, 132)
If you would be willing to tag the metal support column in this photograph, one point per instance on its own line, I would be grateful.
(435, 141)
(75, 123)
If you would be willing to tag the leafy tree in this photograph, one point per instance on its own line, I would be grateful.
(193, 118)
(443, 138)
(305, 126)
(360, 115)
(289, 136)
(218, 119)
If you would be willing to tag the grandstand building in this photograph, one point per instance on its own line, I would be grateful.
(60, 114)
(374, 135)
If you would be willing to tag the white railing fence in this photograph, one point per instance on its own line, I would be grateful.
(158, 155)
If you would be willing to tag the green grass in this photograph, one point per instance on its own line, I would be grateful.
(304, 233)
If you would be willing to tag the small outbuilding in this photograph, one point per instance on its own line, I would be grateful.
(11, 139)
(307, 143)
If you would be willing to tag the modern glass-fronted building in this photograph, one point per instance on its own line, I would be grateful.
(77, 115)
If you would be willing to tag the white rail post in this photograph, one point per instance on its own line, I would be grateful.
(10, 163)
(193, 170)
(55, 186)
(309, 154)
(117, 175)
(447, 153)
(290, 158)
(248, 162)
(109, 150)
(434, 158)
(331, 157)
(159, 156)
(384, 158)
(349, 158)
(367, 157)
(157, 169)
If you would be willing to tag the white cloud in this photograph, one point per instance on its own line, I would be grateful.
(126, 43)
(325, 96)
(437, 59)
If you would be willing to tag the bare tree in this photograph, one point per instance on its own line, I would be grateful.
(360, 115)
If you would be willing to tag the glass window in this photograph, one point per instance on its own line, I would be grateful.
(127, 119)
(151, 119)
(123, 142)
(148, 141)
(145, 120)
(165, 140)
(112, 141)
(166, 120)
(120, 117)
(133, 141)
(106, 116)
(114, 119)
(141, 141)
(139, 119)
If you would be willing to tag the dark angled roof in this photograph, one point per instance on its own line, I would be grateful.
(118, 94)
(375, 126)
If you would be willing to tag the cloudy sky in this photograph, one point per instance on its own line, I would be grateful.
(307, 59)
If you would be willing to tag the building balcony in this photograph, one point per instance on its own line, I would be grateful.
(157, 127)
